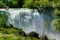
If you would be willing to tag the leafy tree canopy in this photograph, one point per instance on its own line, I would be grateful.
(30, 3)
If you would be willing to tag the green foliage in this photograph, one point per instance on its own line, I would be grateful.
(56, 13)
(56, 23)
(28, 4)
(44, 3)
(10, 34)
(3, 19)
(55, 3)
(37, 4)
(34, 3)
(10, 37)
(7, 37)
(1, 3)
(6, 31)
(12, 3)
(12, 31)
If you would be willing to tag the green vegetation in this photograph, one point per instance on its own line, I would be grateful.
(3, 19)
(11, 3)
(14, 34)
(44, 4)
(56, 13)
(29, 3)
(56, 21)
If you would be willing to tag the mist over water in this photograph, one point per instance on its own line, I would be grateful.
(31, 20)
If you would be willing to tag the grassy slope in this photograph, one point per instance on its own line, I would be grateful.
(10, 34)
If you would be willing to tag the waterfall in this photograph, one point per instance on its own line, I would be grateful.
(27, 19)
(31, 20)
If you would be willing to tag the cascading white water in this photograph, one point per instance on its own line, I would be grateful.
(27, 19)
(31, 20)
